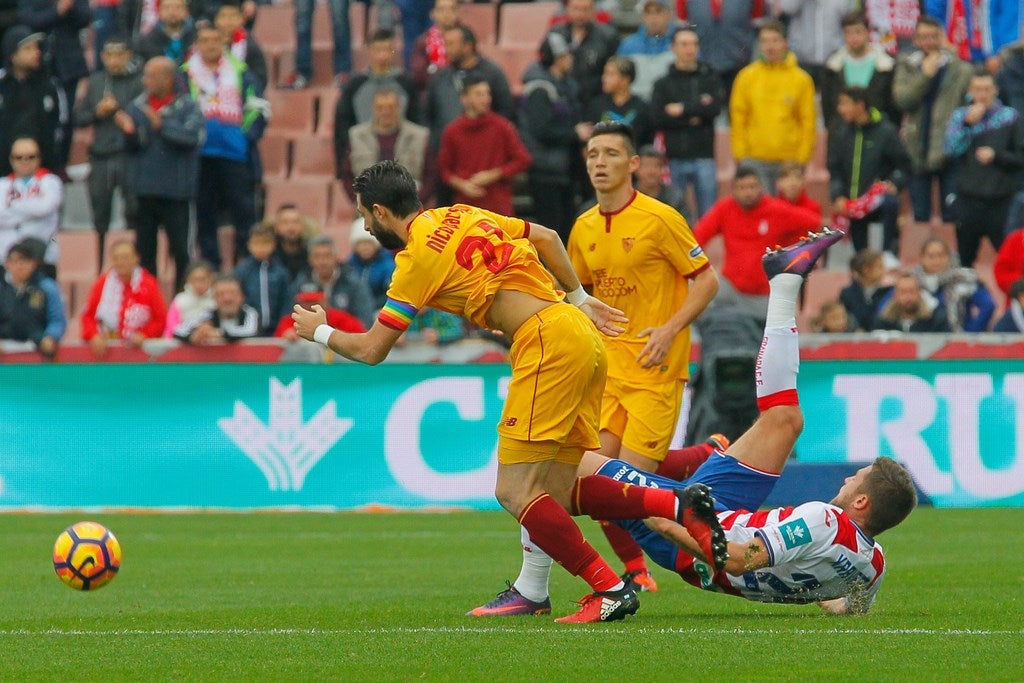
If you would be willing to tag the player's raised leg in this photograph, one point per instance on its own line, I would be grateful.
(768, 443)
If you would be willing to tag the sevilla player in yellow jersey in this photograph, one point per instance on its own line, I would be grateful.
(488, 268)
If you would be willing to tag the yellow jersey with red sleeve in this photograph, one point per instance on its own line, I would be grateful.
(455, 260)
(638, 259)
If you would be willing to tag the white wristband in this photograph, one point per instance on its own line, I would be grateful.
(577, 297)
(322, 334)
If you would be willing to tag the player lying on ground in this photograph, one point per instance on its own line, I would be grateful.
(484, 266)
(815, 552)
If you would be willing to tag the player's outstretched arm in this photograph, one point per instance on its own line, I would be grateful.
(743, 557)
(365, 347)
(836, 606)
(552, 252)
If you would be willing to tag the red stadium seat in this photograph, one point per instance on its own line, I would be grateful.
(227, 353)
(312, 196)
(482, 19)
(325, 113)
(274, 150)
(313, 159)
(292, 111)
(275, 29)
(514, 60)
(525, 23)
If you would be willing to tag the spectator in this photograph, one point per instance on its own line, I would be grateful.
(812, 31)
(164, 133)
(930, 83)
(969, 306)
(339, 320)
(355, 105)
(232, 104)
(194, 302)
(650, 176)
(986, 142)
(726, 30)
(124, 303)
(230, 320)
(868, 166)
(864, 295)
(432, 327)
(481, 152)
(31, 307)
(862, 64)
(911, 310)
(548, 123)
(371, 263)
(387, 136)
(772, 108)
(343, 288)
(428, 51)
(791, 187)
(1010, 78)
(650, 48)
(1013, 319)
(750, 221)
(685, 103)
(62, 21)
(264, 280)
(592, 44)
(442, 99)
(110, 90)
(342, 54)
(617, 102)
(832, 318)
(230, 21)
(1009, 265)
(32, 104)
(294, 232)
(30, 202)
(173, 36)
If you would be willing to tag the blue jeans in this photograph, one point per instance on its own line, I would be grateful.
(415, 21)
(104, 23)
(701, 174)
(304, 37)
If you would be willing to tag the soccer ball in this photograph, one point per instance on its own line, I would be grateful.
(86, 556)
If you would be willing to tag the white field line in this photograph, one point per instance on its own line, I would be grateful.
(499, 630)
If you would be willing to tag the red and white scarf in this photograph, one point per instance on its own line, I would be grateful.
(239, 44)
(150, 16)
(435, 47)
(118, 310)
(861, 206)
(219, 92)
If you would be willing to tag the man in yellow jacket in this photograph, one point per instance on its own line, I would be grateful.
(771, 110)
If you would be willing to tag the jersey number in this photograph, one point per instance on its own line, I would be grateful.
(494, 256)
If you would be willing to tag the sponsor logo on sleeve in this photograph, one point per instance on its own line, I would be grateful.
(696, 251)
(795, 533)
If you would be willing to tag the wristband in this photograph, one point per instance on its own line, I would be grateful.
(577, 297)
(322, 334)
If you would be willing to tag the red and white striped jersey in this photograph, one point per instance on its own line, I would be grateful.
(816, 551)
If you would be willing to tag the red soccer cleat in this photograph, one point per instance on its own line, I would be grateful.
(605, 606)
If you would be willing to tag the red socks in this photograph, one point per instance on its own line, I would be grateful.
(554, 532)
(604, 498)
(681, 463)
(626, 549)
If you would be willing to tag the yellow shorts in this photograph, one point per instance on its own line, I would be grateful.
(554, 399)
(643, 417)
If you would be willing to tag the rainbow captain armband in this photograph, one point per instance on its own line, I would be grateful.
(577, 297)
(397, 315)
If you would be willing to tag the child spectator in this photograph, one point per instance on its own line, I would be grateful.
(832, 318)
(863, 296)
(31, 308)
(1013, 319)
(265, 282)
(791, 186)
(371, 264)
(195, 301)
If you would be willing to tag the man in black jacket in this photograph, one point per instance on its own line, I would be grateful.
(985, 140)
(868, 165)
(592, 44)
(684, 105)
(32, 104)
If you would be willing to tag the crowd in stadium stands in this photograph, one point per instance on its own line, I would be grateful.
(757, 119)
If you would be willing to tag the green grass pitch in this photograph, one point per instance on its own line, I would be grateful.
(309, 597)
